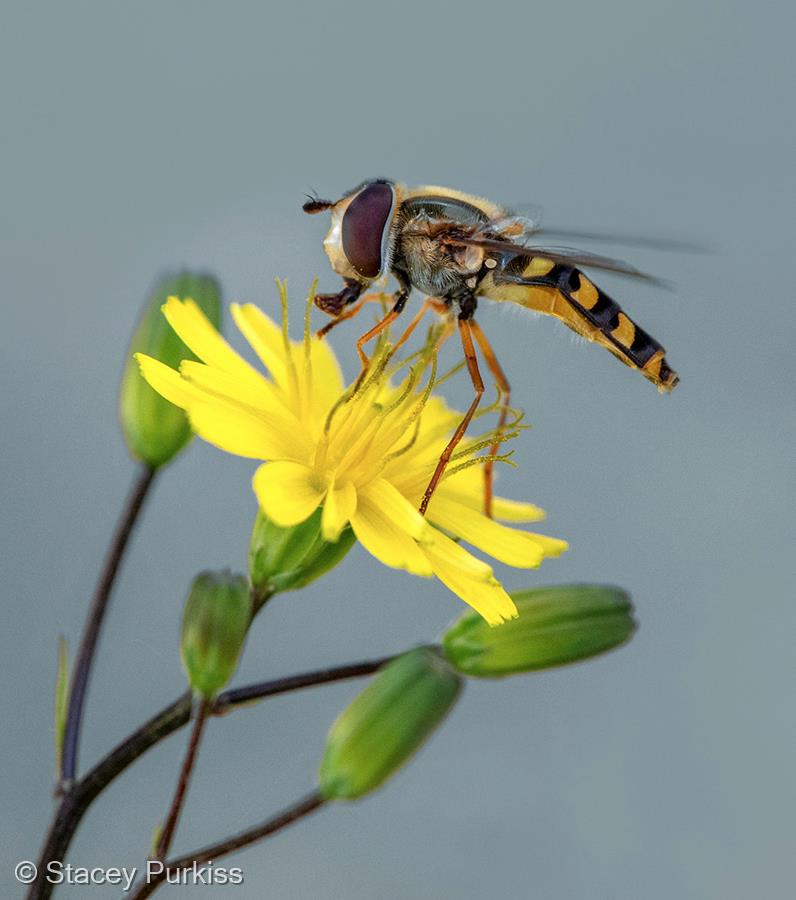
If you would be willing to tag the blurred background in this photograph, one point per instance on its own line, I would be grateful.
(142, 138)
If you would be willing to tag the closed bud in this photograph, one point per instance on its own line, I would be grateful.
(154, 429)
(386, 723)
(214, 625)
(556, 625)
(283, 559)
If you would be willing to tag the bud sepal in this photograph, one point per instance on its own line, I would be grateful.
(155, 430)
(217, 615)
(371, 739)
(556, 625)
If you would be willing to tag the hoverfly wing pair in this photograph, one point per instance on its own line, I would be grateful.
(547, 280)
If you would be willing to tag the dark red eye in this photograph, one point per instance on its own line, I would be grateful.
(364, 227)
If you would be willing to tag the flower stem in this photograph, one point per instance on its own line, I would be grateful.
(299, 810)
(263, 689)
(96, 615)
(75, 802)
(164, 841)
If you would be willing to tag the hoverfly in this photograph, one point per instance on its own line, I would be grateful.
(456, 248)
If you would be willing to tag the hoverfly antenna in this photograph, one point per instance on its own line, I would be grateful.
(315, 205)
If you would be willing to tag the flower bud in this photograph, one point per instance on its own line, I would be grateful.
(214, 625)
(283, 559)
(154, 429)
(386, 723)
(556, 625)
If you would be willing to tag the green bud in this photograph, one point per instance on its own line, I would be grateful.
(214, 625)
(156, 430)
(283, 559)
(556, 625)
(386, 723)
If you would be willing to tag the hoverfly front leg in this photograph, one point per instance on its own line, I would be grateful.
(334, 304)
(399, 302)
(466, 335)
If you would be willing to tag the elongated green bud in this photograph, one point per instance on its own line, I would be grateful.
(214, 625)
(156, 430)
(386, 723)
(283, 559)
(556, 625)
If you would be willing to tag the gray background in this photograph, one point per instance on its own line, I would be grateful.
(140, 138)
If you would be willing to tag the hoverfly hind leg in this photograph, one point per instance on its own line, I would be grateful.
(466, 335)
(504, 392)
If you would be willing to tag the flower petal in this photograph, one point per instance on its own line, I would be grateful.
(198, 333)
(288, 492)
(380, 535)
(258, 396)
(467, 487)
(338, 508)
(167, 382)
(521, 549)
(404, 514)
(470, 579)
(264, 336)
(327, 378)
(237, 430)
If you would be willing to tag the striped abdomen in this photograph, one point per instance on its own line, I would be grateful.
(566, 293)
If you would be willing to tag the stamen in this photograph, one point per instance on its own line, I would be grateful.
(487, 441)
(308, 338)
(291, 366)
(504, 458)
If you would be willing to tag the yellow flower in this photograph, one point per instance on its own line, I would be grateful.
(365, 456)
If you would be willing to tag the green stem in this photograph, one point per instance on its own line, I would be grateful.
(79, 798)
(212, 852)
(81, 673)
(166, 836)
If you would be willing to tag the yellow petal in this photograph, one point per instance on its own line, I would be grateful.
(197, 332)
(393, 504)
(380, 535)
(262, 395)
(327, 378)
(167, 382)
(237, 430)
(264, 336)
(516, 511)
(470, 579)
(467, 487)
(338, 507)
(288, 492)
(515, 548)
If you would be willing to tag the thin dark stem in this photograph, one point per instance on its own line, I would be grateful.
(96, 615)
(304, 807)
(76, 802)
(263, 689)
(164, 841)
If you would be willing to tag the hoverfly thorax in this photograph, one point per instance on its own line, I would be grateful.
(359, 240)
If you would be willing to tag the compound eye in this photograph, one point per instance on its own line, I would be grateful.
(365, 225)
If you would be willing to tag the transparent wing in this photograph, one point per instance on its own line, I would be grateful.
(564, 255)
(530, 216)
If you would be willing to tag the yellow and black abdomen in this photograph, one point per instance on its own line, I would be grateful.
(566, 293)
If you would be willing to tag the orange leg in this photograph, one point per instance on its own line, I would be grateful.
(505, 395)
(465, 333)
(348, 314)
(430, 303)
